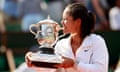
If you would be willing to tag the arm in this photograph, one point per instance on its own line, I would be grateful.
(21, 8)
(100, 12)
(2, 26)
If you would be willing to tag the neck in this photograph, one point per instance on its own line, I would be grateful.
(76, 42)
(76, 38)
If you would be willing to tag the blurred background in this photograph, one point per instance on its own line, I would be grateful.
(17, 15)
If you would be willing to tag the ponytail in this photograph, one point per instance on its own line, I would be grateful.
(88, 24)
(91, 20)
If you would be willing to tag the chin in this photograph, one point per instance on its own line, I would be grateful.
(65, 32)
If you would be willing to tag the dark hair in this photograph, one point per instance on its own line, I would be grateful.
(77, 10)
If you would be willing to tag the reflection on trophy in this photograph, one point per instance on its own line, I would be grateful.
(46, 35)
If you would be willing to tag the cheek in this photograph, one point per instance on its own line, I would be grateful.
(65, 22)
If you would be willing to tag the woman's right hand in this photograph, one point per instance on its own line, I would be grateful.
(27, 60)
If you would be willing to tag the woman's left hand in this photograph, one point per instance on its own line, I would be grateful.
(67, 62)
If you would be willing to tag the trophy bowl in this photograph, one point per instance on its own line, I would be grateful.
(45, 33)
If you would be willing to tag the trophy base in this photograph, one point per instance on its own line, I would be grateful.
(45, 60)
(44, 64)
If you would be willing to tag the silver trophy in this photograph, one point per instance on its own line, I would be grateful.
(45, 33)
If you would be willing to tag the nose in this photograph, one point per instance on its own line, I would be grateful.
(62, 22)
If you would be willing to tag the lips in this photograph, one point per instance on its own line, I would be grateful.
(65, 29)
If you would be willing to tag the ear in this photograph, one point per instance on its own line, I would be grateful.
(78, 21)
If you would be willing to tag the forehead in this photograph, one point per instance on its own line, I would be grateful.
(66, 11)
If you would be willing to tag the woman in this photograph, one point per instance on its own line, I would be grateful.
(83, 51)
(114, 15)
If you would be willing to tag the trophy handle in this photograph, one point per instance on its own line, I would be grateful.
(30, 28)
(56, 27)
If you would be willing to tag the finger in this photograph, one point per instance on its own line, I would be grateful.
(28, 54)
(29, 63)
(58, 65)
(63, 57)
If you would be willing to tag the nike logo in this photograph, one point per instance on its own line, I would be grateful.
(86, 50)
